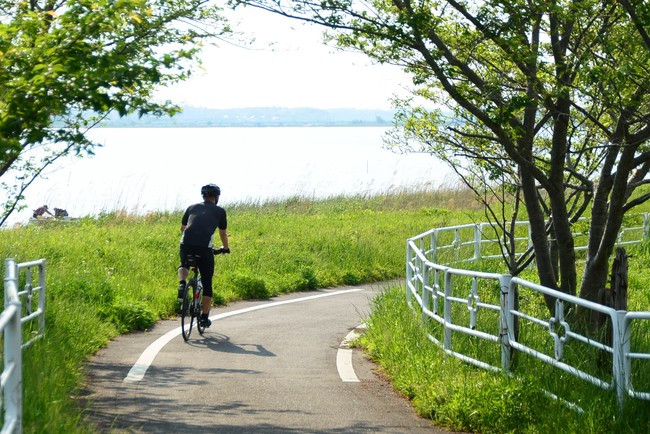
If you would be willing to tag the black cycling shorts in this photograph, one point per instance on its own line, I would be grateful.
(205, 264)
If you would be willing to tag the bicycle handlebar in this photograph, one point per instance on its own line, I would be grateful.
(220, 251)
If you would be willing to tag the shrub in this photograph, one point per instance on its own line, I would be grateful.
(250, 287)
(129, 315)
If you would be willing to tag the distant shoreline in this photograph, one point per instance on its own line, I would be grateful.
(255, 117)
(360, 125)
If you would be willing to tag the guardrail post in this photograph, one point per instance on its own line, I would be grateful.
(13, 364)
(41, 296)
(646, 225)
(477, 242)
(456, 244)
(433, 245)
(447, 312)
(621, 347)
(505, 321)
(409, 273)
(426, 295)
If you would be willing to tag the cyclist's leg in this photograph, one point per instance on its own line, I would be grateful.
(206, 267)
(183, 270)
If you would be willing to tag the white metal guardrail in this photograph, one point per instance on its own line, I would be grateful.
(459, 304)
(22, 323)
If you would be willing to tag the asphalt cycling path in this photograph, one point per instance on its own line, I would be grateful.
(271, 366)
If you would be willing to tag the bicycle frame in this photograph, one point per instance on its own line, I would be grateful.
(191, 307)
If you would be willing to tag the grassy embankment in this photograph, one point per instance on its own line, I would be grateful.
(464, 398)
(118, 273)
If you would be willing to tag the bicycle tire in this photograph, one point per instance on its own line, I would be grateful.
(199, 309)
(187, 310)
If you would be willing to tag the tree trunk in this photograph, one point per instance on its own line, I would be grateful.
(615, 296)
(619, 280)
(545, 269)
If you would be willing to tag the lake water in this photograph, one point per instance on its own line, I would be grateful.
(147, 169)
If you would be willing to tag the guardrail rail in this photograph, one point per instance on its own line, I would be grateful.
(460, 304)
(22, 323)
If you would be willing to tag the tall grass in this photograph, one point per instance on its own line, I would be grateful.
(117, 273)
(443, 388)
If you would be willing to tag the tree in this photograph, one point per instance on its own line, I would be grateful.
(66, 64)
(545, 103)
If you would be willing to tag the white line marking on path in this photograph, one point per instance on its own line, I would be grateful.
(344, 357)
(146, 358)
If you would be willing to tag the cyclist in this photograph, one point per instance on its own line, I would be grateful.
(198, 226)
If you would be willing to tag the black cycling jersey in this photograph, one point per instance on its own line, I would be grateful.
(201, 221)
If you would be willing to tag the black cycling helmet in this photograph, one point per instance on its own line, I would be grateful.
(210, 190)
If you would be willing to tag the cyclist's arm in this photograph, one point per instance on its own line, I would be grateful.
(183, 228)
(224, 238)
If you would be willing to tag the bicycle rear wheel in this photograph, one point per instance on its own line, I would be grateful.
(199, 309)
(187, 310)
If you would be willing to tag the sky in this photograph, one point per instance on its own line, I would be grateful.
(289, 67)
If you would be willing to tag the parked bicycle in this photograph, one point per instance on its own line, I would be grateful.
(193, 298)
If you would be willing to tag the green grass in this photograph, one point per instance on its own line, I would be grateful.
(117, 273)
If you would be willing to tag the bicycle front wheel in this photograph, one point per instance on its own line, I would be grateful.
(187, 310)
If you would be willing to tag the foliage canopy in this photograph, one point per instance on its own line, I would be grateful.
(540, 106)
(61, 60)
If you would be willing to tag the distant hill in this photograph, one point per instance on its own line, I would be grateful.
(259, 117)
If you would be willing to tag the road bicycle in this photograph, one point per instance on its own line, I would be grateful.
(192, 303)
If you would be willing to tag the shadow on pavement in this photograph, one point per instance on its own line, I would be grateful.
(222, 343)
